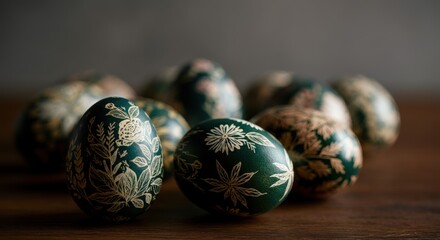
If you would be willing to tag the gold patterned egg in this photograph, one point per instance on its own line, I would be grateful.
(45, 124)
(374, 113)
(326, 156)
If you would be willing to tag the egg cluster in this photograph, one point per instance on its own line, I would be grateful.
(234, 156)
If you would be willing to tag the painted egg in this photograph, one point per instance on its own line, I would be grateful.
(112, 85)
(114, 161)
(374, 113)
(232, 167)
(43, 129)
(170, 126)
(326, 156)
(203, 91)
(158, 87)
(307, 93)
(259, 95)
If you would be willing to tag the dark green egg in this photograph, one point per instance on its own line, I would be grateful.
(114, 161)
(326, 156)
(202, 90)
(374, 113)
(308, 93)
(170, 126)
(45, 124)
(261, 92)
(232, 167)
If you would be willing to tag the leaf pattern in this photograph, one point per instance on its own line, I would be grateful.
(156, 144)
(337, 165)
(140, 161)
(231, 183)
(259, 139)
(320, 168)
(331, 150)
(285, 177)
(146, 151)
(133, 112)
(305, 173)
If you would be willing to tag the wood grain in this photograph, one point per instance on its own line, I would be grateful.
(397, 195)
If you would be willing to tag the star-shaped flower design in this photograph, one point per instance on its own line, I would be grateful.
(231, 184)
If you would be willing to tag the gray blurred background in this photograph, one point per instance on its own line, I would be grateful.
(395, 42)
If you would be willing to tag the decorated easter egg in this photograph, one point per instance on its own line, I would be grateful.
(307, 93)
(43, 129)
(374, 113)
(326, 156)
(114, 161)
(203, 91)
(112, 85)
(170, 126)
(260, 93)
(158, 87)
(232, 167)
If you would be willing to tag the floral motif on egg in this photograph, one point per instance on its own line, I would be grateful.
(224, 162)
(227, 138)
(107, 178)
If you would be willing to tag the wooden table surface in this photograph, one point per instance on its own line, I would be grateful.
(397, 195)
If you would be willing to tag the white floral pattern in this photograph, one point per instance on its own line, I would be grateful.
(228, 138)
(231, 184)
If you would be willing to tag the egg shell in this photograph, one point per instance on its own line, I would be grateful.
(203, 91)
(170, 126)
(43, 129)
(114, 161)
(260, 93)
(159, 86)
(374, 113)
(232, 167)
(112, 85)
(326, 156)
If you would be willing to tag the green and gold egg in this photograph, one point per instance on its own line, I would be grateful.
(326, 156)
(170, 126)
(114, 161)
(374, 113)
(305, 93)
(202, 90)
(43, 129)
(232, 167)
